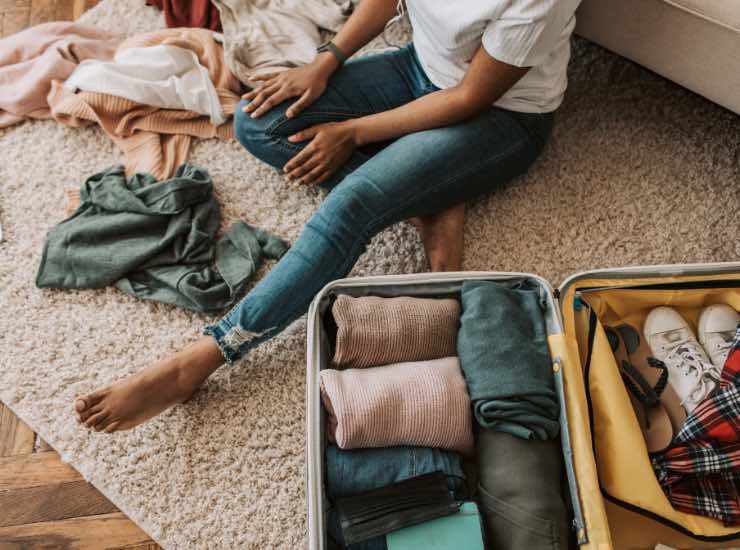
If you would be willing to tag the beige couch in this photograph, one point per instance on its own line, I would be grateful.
(695, 43)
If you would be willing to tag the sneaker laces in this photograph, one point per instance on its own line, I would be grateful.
(726, 345)
(686, 356)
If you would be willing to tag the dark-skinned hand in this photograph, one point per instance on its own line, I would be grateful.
(306, 83)
(330, 145)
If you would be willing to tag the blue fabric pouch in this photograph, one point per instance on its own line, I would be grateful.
(462, 529)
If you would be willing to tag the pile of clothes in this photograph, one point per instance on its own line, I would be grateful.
(152, 93)
(461, 387)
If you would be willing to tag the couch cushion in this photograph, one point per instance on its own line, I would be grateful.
(723, 12)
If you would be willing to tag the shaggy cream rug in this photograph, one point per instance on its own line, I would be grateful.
(638, 171)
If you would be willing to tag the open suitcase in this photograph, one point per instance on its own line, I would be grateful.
(615, 498)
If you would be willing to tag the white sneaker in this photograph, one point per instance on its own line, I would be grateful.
(690, 372)
(717, 325)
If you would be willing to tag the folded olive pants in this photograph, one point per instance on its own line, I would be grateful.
(520, 492)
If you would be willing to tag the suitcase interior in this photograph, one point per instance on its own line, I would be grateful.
(619, 473)
(615, 503)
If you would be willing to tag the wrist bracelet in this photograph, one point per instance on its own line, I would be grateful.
(334, 49)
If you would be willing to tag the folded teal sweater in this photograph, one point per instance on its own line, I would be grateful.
(155, 241)
(502, 346)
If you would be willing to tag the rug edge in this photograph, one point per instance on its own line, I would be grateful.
(142, 524)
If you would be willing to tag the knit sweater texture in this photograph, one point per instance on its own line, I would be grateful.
(374, 331)
(421, 403)
(153, 140)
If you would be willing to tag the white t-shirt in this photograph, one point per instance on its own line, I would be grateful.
(525, 33)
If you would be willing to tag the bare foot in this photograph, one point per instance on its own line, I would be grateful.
(147, 393)
(442, 235)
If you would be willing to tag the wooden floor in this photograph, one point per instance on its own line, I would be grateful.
(16, 15)
(45, 504)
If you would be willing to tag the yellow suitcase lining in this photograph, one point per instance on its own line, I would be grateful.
(625, 474)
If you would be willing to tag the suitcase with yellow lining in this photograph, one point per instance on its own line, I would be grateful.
(616, 499)
(616, 481)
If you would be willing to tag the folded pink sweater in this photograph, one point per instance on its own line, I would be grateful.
(424, 404)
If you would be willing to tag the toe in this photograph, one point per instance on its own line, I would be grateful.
(87, 413)
(94, 419)
(95, 397)
(86, 401)
(112, 427)
(100, 425)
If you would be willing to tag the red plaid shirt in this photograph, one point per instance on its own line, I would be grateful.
(700, 471)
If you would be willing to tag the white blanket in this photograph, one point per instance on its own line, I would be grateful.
(162, 76)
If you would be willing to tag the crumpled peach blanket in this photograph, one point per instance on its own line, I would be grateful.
(153, 139)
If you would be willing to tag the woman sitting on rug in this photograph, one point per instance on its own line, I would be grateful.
(407, 133)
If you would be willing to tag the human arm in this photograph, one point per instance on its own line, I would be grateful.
(485, 80)
(309, 81)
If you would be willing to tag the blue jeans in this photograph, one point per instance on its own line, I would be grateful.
(356, 471)
(417, 174)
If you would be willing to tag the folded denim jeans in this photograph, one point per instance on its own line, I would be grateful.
(349, 472)
(520, 491)
(502, 346)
